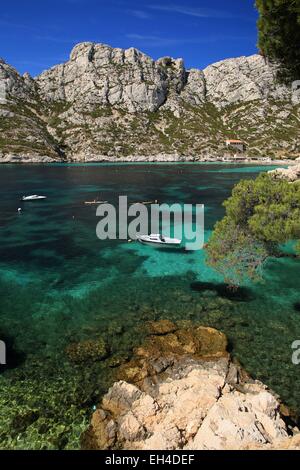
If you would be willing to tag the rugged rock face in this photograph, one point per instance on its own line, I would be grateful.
(182, 391)
(98, 74)
(244, 79)
(23, 120)
(107, 102)
(291, 174)
(11, 83)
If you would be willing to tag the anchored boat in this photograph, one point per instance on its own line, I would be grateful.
(34, 197)
(159, 240)
(94, 203)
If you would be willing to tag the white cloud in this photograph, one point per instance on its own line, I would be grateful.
(57, 39)
(191, 11)
(143, 15)
(157, 41)
(154, 41)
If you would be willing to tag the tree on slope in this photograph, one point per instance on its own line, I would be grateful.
(260, 215)
(279, 34)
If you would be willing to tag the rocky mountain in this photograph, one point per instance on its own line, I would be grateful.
(107, 103)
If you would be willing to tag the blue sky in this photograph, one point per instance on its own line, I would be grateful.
(36, 34)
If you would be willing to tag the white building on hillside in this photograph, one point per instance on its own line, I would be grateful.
(236, 144)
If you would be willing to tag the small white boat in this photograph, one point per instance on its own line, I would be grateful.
(93, 203)
(159, 240)
(34, 197)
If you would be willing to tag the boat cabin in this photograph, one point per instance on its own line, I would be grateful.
(154, 238)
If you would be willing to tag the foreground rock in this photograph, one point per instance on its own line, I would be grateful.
(182, 391)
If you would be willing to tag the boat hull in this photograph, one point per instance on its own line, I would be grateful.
(160, 245)
(30, 199)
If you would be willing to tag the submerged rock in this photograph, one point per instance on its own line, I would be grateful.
(182, 391)
(91, 350)
(200, 341)
(21, 421)
(117, 360)
(162, 327)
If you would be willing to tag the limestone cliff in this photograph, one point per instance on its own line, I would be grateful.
(291, 174)
(107, 102)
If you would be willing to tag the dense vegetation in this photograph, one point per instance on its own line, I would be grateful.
(260, 216)
(279, 34)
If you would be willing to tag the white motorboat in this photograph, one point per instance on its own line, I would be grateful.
(159, 240)
(34, 197)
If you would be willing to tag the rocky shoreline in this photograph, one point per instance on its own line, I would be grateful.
(182, 390)
(160, 158)
(23, 159)
(291, 174)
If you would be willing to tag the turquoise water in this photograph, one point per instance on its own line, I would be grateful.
(60, 284)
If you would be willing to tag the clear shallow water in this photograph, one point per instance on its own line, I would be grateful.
(60, 284)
